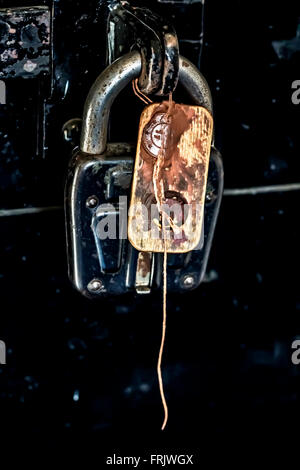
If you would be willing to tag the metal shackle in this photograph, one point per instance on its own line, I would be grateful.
(112, 81)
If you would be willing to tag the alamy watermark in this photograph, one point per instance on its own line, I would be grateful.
(2, 352)
(174, 220)
(296, 354)
(2, 92)
(296, 93)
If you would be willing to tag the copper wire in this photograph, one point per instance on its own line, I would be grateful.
(163, 336)
(139, 93)
(155, 177)
(156, 172)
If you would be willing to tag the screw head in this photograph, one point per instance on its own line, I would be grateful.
(92, 202)
(188, 281)
(95, 285)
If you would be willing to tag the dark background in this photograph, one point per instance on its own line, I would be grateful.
(81, 375)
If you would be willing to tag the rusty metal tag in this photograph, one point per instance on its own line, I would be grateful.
(169, 180)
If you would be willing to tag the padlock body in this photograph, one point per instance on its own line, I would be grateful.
(98, 190)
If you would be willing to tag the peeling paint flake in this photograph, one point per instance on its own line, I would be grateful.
(29, 66)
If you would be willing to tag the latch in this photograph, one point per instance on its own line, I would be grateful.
(154, 37)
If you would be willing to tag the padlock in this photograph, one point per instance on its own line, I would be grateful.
(101, 260)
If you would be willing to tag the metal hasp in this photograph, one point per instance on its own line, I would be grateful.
(25, 42)
(26, 54)
(98, 185)
(154, 37)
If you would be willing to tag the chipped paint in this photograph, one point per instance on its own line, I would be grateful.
(28, 30)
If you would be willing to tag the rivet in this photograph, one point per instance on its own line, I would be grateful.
(95, 285)
(92, 202)
(188, 281)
